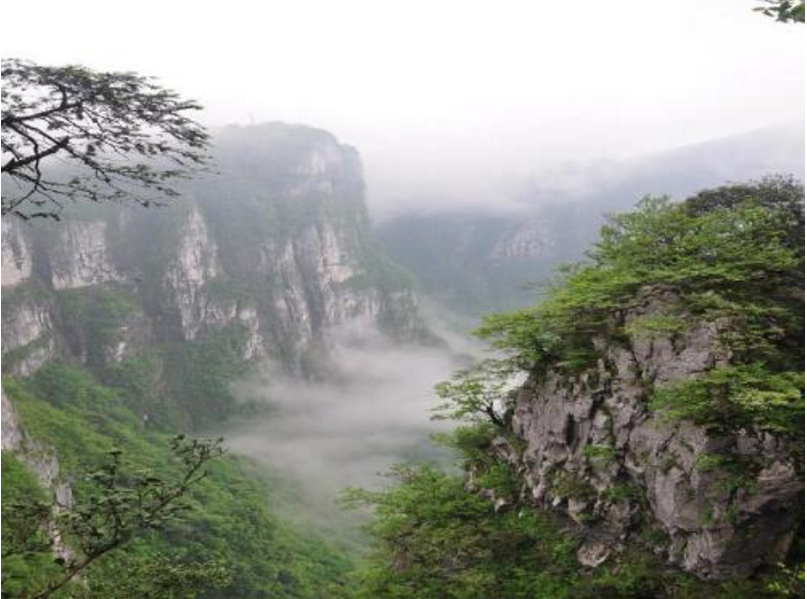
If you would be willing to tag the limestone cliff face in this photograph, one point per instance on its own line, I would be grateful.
(194, 262)
(593, 450)
(80, 255)
(16, 256)
(277, 243)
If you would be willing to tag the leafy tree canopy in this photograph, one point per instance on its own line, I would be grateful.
(733, 256)
(734, 253)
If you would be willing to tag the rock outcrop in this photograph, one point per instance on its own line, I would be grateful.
(16, 256)
(43, 463)
(277, 243)
(80, 255)
(590, 447)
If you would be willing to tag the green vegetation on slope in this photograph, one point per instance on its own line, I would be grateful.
(23, 571)
(230, 522)
(436, 538)
(734, 255)
(731, 257)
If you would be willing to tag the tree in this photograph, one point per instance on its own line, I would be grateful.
(119, 136)
(476, 394)
(784, 11)
(114, 507)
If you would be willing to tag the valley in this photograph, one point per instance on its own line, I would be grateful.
(266, 307)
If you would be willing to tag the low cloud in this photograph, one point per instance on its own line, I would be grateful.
(346, 431)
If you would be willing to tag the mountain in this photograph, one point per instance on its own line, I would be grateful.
(268, 254)
(121, 325)
(489, 260)
(640, 433)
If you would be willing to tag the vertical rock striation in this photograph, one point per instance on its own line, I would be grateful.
(593, 450)
(277, 243)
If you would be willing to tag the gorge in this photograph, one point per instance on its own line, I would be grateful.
(261, 305)
(161, 311)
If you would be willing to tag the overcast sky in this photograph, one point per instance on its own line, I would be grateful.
(424, 88)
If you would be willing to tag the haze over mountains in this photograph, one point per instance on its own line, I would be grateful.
(481, 255)
(263, 307)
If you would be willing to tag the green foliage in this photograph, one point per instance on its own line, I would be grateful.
(567, 485)
(19, 354)
(524, 333)
(784, 11)
(106, 512)
(436, 540)
(709, 462)
(230, 522)
(733, 256)
(622, 492)
(155, 577)
(138, 383)
(199, 372)
(29, 565)
(380, 271)
(787, 582)
(476, 394)
(95, 318)
(738, 397)
(470, 441)
(600, 453)
(653, 326)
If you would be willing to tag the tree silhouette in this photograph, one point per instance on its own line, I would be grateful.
(70, 133)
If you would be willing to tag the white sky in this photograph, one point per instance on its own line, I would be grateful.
(425, 88)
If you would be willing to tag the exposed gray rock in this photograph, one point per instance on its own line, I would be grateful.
(81, 255)
(193, 271)
(643, 471)
(27, 332)
(593, 553)
(194, 263)
(531, 239)
(16, 256)
(11, 437)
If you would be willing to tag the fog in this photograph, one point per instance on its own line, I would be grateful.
(451, 104)
(348, 429)
(603, 183)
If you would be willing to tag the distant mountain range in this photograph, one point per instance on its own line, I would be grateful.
(478, 261)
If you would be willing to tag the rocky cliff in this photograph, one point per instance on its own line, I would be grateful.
(665, 399)
(272, 249)
(593, 449)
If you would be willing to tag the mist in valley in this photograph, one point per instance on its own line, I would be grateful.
(372, 410)
(373, 180)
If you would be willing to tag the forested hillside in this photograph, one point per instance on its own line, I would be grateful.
(123, 327)
(656, 448)
(543, 338)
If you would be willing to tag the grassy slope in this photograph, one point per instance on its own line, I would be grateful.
(232, 520)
